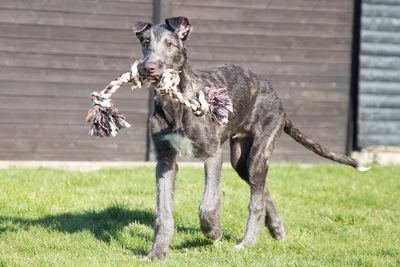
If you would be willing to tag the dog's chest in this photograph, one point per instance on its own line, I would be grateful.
(182, 145)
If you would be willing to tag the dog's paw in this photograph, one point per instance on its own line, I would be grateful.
(218, 238)
(277, 232)
(215, 234)
(145, 258)
(155, 256)
(246, 242)
(239, 246)
(276, 228)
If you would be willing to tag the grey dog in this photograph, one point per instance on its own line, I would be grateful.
(254, 125)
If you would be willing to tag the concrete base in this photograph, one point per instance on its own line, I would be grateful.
(97, 165)
(87, 165)
(367, 156)
(378, 155)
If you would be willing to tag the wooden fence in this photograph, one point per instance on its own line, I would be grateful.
(54, 53)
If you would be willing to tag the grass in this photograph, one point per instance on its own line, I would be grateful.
(334, 216)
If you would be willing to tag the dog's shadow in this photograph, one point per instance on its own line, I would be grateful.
(104, 225)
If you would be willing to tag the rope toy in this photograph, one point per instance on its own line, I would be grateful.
(107, 120)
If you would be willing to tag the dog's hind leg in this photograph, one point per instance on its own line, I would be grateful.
(272, 220)
(240, 149)
(209, 208)
(261, 204)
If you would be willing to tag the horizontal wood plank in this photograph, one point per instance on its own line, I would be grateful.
(89, 7)
(313, 69)
(378, 139)
(75, 156)
(244, 54)
(315, 5)
(380, 10)
(381, 24)
(378, 37)
(213, 55)
(296, 107)
(300, 87)
(377, 87)
(67, 47)
(236, 15)
(379, 101)
(49, 89)
(266, 42)
(65, 119)
(66, 104)
(122, 65)
(72, 132)
(79, 22)
(377, 62)
(132, 49)
(64, 32)
(83, 77)
(379, 114)
(383, 2)
(375, 75)
(85, 144)
(379, 128)
(118, 65)
(381, 49)
(277, 28)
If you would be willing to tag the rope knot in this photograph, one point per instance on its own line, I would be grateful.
(169, 82)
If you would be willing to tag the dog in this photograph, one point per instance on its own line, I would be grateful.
(254, 125)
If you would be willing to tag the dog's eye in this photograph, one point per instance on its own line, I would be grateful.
(146, 43)
(167, 44)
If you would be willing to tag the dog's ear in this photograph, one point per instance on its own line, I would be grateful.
(140, 27)
(180, 25)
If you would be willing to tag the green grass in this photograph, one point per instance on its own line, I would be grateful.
(334, 216)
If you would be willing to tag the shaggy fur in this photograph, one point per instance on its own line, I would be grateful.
(256, 122)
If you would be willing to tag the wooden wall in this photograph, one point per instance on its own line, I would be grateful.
(379, 83)
(302, 46)
(54, 53)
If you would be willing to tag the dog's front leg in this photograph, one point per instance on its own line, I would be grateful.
(209, 208)
(164, 222)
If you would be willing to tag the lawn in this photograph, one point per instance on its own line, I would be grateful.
(334, 216)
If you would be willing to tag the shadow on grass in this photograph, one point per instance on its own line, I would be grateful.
(105, 225)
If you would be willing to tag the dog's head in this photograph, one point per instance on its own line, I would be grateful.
(163, 46)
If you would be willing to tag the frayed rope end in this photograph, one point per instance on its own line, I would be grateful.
(220, 104)
(107, 121)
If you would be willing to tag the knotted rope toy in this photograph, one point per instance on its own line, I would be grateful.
(212, 100)
(107, 120)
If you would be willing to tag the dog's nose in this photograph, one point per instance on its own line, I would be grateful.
(151, 67)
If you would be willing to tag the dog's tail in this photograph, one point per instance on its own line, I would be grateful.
(318, 149)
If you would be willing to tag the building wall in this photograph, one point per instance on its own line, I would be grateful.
(53, 54)
(303, 47)
(379, 82)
